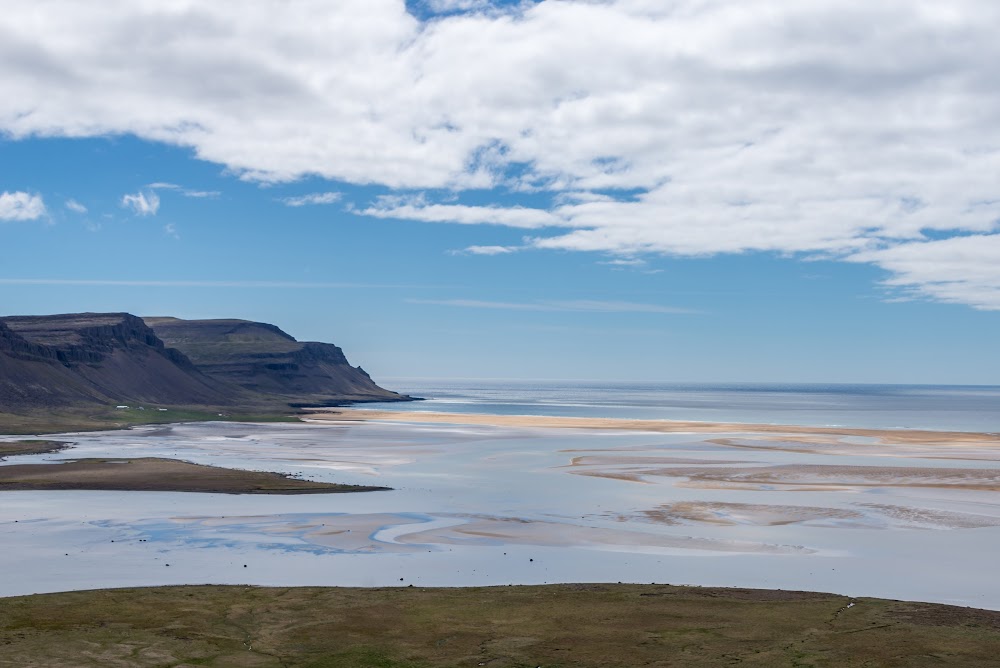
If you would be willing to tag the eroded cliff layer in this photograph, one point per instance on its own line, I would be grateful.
(98, 358)
(262, 359)
(82, 359)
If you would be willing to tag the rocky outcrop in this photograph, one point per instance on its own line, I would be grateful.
(262, 359)
(52, 361)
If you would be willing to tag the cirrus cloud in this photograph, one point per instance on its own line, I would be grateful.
(312, 198)
(142, 203)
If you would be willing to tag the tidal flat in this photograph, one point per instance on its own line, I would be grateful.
(914, 518)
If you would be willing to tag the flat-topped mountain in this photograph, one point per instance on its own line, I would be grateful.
(261, 358)
(62, 360)
(93, 359)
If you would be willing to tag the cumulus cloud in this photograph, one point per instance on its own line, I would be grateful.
(142, 203)
(312, 198)
(21, 206)
(963, 270)
(75, 206)
(689, 127)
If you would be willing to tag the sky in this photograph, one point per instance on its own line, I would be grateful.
(648, 190)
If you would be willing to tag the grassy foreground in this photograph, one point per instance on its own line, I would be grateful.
(556, 625)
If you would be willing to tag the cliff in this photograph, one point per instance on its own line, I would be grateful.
(51, 361)
(101, 359)
(262, 359)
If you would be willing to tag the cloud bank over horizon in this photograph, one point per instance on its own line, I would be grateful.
(845, 130)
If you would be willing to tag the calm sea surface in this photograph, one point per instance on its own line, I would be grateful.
(478, 505)
(948, 407)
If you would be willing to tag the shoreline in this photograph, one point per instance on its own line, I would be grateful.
(41, 422)
(884, 436)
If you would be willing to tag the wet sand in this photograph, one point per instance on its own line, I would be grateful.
(478, 504)
(823, 476)
(152, 474)
(883, 436)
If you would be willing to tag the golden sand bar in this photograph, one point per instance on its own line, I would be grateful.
(884, 436)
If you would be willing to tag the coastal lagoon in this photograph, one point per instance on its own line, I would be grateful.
(497, 504)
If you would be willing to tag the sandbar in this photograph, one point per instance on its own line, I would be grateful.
(884, 436)
(152, 474)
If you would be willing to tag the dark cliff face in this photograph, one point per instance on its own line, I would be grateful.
(261, 358)
(87, 338)
(117, 358)
(86, 358)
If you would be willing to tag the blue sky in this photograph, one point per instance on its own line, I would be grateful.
(448, 197)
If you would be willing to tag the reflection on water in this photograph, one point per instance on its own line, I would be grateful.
(497, 505)
(940, 407)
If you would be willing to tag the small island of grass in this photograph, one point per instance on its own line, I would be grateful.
(30, 447)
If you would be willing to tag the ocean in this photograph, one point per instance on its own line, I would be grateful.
(938, 407)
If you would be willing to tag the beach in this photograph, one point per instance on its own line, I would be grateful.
(885, 436)
(498, 499)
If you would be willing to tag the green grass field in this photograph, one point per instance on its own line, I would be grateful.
(557, 625)
(54, 422)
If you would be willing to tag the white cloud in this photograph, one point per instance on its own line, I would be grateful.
(170, 229)
(578, 305)
(75, 206)
(625, 262)
(489, 250)
(962, 270)
(443, 6)
(419, 209)
(21, 206)
(201, 194)
(690, 127)
(312, 198)
(142, 203)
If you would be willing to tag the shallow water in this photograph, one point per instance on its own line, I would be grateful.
(477, 505)
(940, 407)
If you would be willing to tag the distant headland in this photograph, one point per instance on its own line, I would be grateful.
(99, 370)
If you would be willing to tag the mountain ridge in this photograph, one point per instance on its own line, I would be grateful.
(262, 358)
(81, 360)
